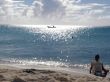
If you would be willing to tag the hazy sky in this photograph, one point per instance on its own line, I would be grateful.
(75, 12)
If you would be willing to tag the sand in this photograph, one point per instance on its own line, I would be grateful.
(14, 74)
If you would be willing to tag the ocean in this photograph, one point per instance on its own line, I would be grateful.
(63, 46)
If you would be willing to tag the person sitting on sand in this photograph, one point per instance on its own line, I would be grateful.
(97, 67)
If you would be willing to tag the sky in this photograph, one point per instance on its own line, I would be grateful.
(60, 12)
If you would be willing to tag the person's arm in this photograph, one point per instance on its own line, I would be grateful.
(105, 70)
(90, 68)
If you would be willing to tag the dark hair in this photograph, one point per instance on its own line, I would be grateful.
(97, 57)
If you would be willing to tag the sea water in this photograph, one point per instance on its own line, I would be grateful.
(62, 46)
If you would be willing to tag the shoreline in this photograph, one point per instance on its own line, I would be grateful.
(11, 73)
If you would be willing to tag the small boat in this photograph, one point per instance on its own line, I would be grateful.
(51, 26)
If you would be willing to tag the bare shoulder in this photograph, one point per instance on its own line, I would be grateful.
(93, 61)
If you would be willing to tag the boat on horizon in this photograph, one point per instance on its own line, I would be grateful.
(51, 26)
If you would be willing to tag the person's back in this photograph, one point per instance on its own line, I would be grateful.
(97, 67)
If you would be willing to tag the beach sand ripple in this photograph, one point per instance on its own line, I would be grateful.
(35, 75)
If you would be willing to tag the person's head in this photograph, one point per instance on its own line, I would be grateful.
(97, 57)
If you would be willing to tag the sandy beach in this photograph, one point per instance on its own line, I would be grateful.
(14, 74)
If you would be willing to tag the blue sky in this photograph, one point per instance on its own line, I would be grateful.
(68, 12)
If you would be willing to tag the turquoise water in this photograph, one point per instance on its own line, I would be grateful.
(61, 46)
